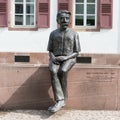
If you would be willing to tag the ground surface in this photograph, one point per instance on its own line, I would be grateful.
(60, 115)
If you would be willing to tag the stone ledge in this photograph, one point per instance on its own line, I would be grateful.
(27, 86)
(43, 58)
(77, 65)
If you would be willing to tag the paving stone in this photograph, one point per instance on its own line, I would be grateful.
(60, 115)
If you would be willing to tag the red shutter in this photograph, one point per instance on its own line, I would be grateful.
(3, 13)
(43, 13)
(106, 13)
(65, 5)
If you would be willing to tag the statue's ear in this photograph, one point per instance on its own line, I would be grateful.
(58, 21)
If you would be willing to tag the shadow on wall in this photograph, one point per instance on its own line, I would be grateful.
(25, 88)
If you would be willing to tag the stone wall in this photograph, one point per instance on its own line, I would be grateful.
(93, 85)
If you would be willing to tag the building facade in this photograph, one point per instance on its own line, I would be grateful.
(25, 25)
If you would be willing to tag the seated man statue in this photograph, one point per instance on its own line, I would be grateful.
(63, 47)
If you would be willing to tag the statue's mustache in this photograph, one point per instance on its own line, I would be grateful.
(64, 23)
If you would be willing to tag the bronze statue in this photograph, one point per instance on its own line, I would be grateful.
(63, 49)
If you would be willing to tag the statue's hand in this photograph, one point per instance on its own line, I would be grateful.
(61, 58)
(55, 61)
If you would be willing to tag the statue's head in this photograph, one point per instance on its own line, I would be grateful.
(63, 17)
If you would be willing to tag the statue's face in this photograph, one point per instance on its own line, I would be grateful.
(64, 20)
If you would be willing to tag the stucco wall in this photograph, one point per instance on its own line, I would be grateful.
(104, 41)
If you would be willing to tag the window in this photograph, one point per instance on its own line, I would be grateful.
(88, 14)
(85, 13)
(24, 13)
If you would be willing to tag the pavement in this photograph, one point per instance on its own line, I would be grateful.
(60, 115)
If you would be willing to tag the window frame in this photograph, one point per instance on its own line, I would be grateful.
(24, 15)
(87, 28)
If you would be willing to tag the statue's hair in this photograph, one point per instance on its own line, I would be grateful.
(60, 12)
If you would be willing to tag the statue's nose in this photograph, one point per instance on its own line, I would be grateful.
(65, 19)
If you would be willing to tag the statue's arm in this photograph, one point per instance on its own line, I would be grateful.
(76, 48)
(53, 58)
(63, 58)
(73, 55)
(51, 55)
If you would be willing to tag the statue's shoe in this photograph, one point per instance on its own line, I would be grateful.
(58, 105)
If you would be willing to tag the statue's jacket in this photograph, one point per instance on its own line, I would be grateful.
(63, 43)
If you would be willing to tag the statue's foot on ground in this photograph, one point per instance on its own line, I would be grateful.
(58, 105)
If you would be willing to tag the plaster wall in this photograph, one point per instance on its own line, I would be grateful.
(103, 41)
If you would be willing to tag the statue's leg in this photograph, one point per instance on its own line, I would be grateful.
(57, 90)
(63, 71)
